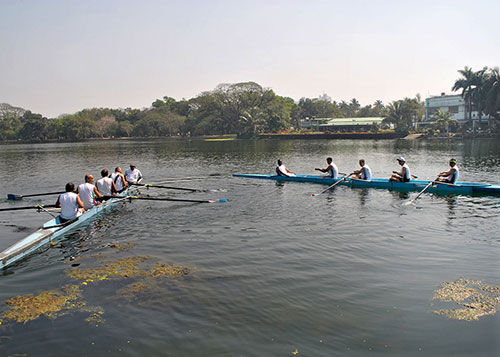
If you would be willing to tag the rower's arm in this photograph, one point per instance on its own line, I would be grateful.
(113, 188)
(97, 192)
(58, 204)
(446, 173)
(125, 183)
(79, 201)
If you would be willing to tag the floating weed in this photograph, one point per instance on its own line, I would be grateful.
(477, 298)
(29, 307)
(124, 268)
(122, 246)
(173, 271)
(130, 291)
(59, 302)
(96, 318)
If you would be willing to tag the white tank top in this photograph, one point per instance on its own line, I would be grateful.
(86, 191)
(104, 186)
(69, 205)
(118, 181)
(407, 171)
(367, 173)
(454, 177)
(132, 175)
(333, 171)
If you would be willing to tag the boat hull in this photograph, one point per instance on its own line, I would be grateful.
(461, 188)
(53, 229)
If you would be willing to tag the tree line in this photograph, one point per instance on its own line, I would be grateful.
(244, 109)
(481, 91)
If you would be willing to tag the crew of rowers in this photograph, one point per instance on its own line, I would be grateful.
(365, 173)
(87, 195)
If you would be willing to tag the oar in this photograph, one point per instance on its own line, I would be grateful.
(176, 199)
(13, 196)
(178, 188)
(419, 194)
(330, 187)
(26, 207)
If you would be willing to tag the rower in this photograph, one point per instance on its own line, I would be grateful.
(132, 175)
(119, 179)
(403, 175)
(281, 170)
(364, 173)
(331, 169)
(105, 185)
(450, 176)
(70, 203)
(87, 191)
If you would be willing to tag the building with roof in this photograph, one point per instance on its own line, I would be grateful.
(454, 104)
(344, 125)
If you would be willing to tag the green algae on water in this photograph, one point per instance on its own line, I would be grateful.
(122, 268)
(59, 302)
(48, 303)
(475, 298)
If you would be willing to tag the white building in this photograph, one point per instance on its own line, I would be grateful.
(453, 104)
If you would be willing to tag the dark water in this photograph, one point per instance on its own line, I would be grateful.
(273, 271)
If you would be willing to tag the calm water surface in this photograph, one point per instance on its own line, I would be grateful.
(273, 271)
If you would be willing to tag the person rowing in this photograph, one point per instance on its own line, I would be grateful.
(132, 175)
(403, 175)
(87, 191)
(364, 173)
(105, 185)
(119, 179)
(70, 203)
(331, 169)
(281, 170)
(450, 176)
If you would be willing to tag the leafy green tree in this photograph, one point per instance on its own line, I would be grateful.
(34, 127)
(404, 114)
(471, 84)
(492, 97)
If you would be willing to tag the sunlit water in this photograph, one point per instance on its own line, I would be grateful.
(274, 270)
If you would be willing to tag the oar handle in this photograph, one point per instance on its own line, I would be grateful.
(13, 196)
(44, 194)
(176, 199)
(168, 187)
(27, 207)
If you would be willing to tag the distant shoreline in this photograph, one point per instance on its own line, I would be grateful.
(266, 136)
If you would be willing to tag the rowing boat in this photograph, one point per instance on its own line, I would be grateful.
(460, 188)
(54, 229)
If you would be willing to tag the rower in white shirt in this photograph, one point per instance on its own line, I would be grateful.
(105, 185)
(87, 191)
(364, 173)
(133, 175)
(70, 203)
(119, 179)
(331, 170)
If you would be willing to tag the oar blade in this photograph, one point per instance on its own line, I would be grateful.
(14, 197)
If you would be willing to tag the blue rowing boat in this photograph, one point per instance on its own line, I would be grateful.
(54, 229)
(461, 188)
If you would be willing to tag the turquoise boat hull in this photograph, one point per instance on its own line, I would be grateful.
(53, 230)
(461, 188)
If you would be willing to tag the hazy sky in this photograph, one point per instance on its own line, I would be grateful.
(62, 56)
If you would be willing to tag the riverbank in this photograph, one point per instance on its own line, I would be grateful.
(313, 136)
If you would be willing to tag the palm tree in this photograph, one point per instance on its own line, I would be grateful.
(443, 121)
(492, 106)
(466, 84)
(395, 114)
